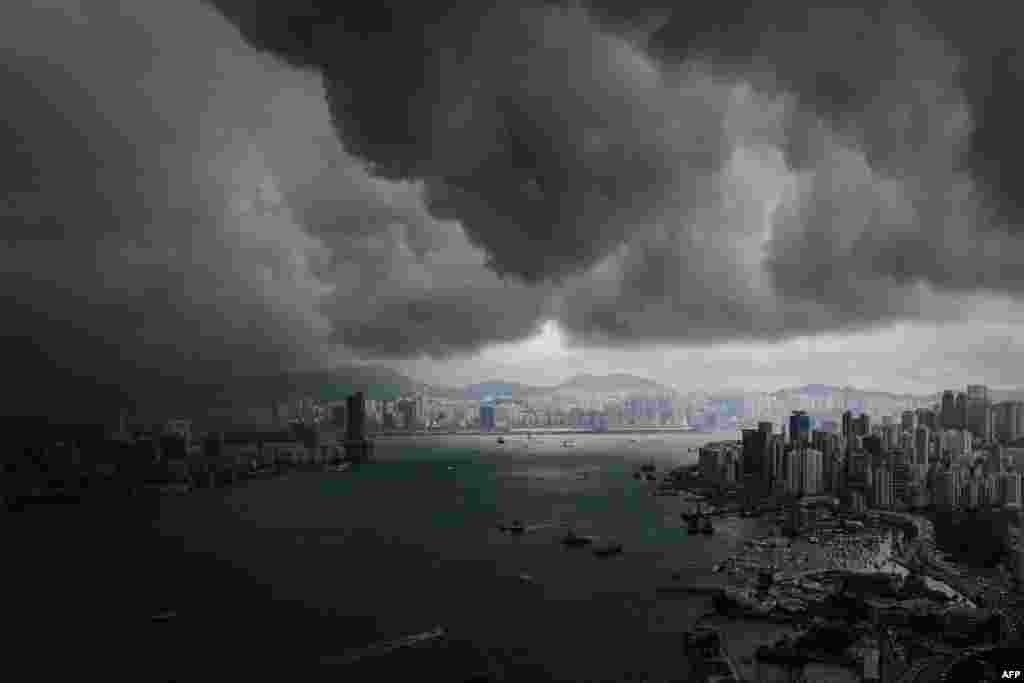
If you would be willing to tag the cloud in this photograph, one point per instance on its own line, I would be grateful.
(807, 170)
(180, 214)
(193, 196)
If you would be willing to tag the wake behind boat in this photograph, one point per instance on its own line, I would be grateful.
(387, 646)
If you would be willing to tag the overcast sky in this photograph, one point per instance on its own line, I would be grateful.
(741, 198)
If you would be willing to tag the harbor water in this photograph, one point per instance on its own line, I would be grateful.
(273, 575)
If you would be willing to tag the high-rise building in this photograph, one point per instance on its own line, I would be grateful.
(847, 425)
(978, 410)
(907, 421)
(812, 472)
(901, 478)
(487, 417)
(799, 427)
(355, 410)
(926, 417)
(961, 410)
(794, 471)
(755, 443)
(1008, 420)
(862, 425)
(947, 410)
(872, 444)
(882, 490)
(922, 439)
(1010, 489)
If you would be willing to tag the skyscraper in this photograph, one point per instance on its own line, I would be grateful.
(926, 418)
(799, 427)
(921, 441)
(978, 406)
(847, 425)
(862, 425)
(960, 412)
(1007, 420)
(487, 417)
(907, 421)
(947, 411)
(755, 445)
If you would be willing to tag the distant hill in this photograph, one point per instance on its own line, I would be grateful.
(593, 384)
(825, 390)
(476, 392)
(615, 383)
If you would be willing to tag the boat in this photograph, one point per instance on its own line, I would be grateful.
(164, 615)
(526, 578)
(608, 548)
(637, 475)
(568, 443)
(501, 439)
(386, 647)
(648, 467)
(717, 568)
(708, 660)
(574, 540)
(516, 527)
(343, 467)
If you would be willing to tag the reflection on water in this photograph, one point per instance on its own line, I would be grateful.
(410, 541)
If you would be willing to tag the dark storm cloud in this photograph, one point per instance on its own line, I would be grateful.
(180, 214)
(690, 175)
(125, 275)
(181, 208)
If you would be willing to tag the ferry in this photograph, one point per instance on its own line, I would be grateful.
(501, 440)
(573, 540)
(378, 649)
(516, 527)
(568, 443)
(608, 548)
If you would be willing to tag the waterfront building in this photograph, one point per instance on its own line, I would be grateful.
(487, 417)
(721, 461)
(973, 498)
(907, 421)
